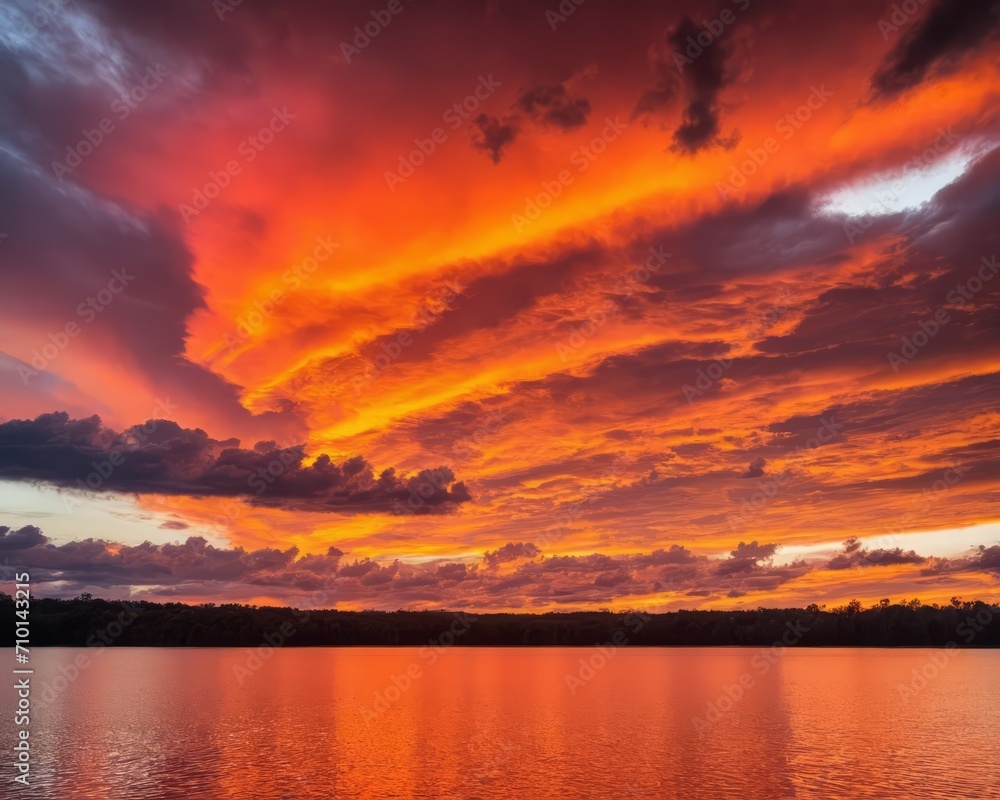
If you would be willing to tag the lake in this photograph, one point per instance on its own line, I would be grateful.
(484, 723)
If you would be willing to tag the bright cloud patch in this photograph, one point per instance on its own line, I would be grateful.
(906, 189)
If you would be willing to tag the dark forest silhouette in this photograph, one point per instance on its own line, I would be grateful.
(86, 621)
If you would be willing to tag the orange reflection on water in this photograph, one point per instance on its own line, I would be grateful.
(534, 723)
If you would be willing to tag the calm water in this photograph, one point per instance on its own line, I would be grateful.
(503, 723)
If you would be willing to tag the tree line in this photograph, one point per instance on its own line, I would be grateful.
(85, 620)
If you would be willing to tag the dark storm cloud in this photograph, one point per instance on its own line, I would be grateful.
(855, 555)
(93, 562)
(986, 559)
(949, 30)
(697, 75)
(675, 554)
(197, 568)
(452, 572)
(494, 135)
(747, 557)
(144, 262)
(756, 468)
(201, 568)
(554, 105)
(22, 539)
(942, 245)
(510, 552)
(67, 241)
(160, 457)
(779, 232)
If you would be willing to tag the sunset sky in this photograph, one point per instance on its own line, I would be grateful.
(501, 305)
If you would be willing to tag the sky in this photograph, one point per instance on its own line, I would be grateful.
(501, 305)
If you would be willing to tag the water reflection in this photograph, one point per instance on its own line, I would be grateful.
(503, 723)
